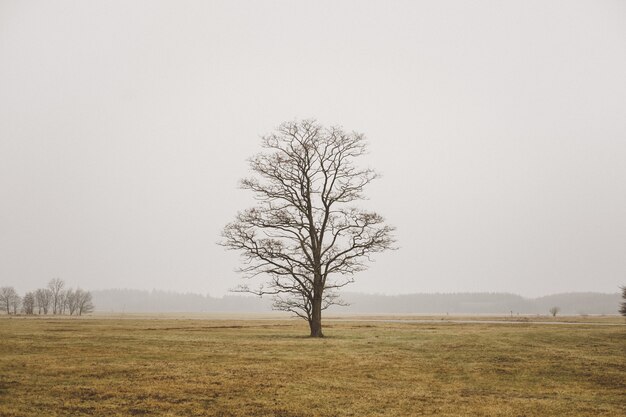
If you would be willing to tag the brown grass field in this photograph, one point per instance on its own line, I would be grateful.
(198, 366)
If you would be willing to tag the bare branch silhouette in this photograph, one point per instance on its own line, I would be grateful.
(304, 237)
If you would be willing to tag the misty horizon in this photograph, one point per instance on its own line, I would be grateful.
(384, 294)
(143, 301)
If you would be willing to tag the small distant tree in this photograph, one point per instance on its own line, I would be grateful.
(622, 309)
(63, 301)
(28, 303)
(16, 302)
(9, 299)
(5, 298)
(43, 297)
(56, 286)
(84, 305)
(71, 300)
(554, 311)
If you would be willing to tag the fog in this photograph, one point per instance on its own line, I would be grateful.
(499, 129)
(580, 303)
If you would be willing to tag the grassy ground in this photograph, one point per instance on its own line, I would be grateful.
(188, 367)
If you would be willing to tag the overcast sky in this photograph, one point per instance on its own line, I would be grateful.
(499, 129)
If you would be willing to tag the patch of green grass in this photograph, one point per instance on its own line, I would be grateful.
(185, 367)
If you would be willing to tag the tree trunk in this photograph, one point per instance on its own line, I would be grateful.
(316, 317)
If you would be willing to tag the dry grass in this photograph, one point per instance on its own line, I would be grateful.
(200, 367)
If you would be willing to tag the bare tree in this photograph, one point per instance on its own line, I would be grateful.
(16, 302)
(622, 308)
(554, 311)
(28, 303)
(71, 300)
(63, 301)
(56, 286)
(8, 298)
(84, 305)
(304, 237)
(43, 298)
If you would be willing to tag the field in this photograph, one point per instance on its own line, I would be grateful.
(194, 366)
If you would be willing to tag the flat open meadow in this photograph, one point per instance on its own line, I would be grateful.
(194, 366)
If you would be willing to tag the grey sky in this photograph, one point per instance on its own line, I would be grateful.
(499, 128)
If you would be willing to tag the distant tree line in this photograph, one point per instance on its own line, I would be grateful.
(127, 300)
(54, 299)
